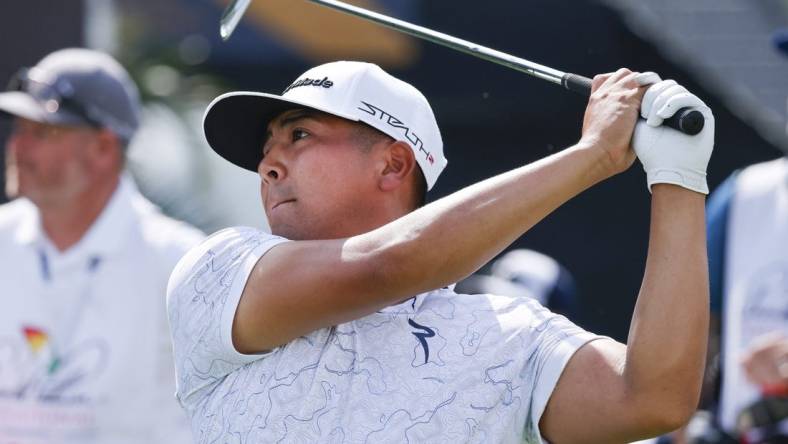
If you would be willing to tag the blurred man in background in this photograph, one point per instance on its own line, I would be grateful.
(746, 393)
(84, 261)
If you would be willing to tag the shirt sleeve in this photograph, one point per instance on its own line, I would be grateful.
(556, 339)
(717, 211)
(202, 297)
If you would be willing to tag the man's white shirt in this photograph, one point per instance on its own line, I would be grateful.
(439, 367)
(756, 277)
(85, 355)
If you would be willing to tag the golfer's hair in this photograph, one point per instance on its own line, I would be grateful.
(367, 136)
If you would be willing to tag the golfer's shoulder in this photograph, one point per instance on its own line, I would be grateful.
(221, 253)
(526, 311)
(522, 316)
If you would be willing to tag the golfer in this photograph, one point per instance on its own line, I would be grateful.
(342, 326)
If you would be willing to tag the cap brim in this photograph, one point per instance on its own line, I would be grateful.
(20, 104)
(235, 124)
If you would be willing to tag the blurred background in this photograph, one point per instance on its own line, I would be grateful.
(492, 118)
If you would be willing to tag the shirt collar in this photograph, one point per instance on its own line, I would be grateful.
(28, 231)
(107, 233)
(412, 305)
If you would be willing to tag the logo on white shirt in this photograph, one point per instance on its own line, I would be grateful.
(422, 337)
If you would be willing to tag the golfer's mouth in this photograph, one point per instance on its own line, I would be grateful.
(278, 204)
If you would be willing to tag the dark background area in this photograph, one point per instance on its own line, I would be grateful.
(492, 118)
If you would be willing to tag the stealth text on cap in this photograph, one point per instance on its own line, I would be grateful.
(325, 83)
(414, 140)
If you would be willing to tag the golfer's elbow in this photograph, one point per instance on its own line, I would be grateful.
(668, 410)
(674, 415)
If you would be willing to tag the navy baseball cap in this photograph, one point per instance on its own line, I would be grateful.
(75, 87)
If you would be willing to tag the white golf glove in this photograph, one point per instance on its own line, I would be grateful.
(668, 155)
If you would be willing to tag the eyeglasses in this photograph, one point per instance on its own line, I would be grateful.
(53, 95)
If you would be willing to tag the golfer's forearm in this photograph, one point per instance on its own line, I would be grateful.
(667, 340)
(451, 238)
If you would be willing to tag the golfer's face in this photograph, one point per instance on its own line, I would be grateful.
(315, 179)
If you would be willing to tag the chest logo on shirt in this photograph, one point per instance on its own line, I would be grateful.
(34, 368)
(422, 336)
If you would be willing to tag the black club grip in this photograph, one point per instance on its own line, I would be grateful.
(686, 120)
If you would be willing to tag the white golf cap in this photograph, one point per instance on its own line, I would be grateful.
(235, 123)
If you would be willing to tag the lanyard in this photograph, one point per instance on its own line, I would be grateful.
(63, 335)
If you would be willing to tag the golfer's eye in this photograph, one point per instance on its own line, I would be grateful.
(299, 134)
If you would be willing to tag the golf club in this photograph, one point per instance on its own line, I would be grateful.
(686, 120)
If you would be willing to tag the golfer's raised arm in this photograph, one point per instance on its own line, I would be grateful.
(615, 393)
(299, 287)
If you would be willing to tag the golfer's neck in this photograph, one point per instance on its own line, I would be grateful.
(66, 224)
(377, 218)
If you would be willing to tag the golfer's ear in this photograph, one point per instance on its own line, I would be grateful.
(398, 163)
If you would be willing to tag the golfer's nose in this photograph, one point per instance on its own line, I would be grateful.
(272, 167)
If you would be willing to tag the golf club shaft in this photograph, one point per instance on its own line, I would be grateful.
(231, 16)
(685, 120)
(489, 54)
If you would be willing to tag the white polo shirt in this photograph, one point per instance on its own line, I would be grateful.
(84, 341)
(440, 367)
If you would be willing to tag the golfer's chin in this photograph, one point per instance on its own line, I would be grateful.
(289, 222)
(302, 229)
(288, 229)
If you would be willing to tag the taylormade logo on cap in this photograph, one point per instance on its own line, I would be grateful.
(356, 91)
(325, 83)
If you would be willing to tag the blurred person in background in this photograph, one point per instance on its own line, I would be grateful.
(746, 385)
(524, 272)
(85, 355)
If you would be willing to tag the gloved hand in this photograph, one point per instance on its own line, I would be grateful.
(667, 155)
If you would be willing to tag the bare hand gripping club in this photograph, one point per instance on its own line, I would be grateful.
(685, 120)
